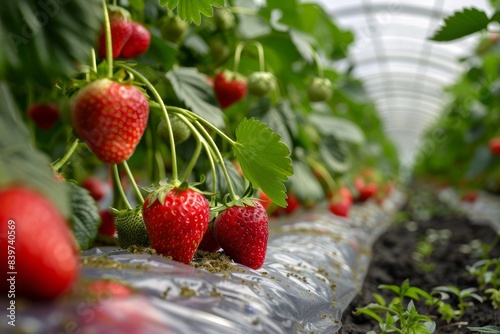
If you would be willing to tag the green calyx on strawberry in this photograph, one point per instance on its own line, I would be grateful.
(46, 259)
(243, 232)
(130, 228)
(173, 28)
(180, 130)
(229, 88)
(261, 83)
(129, 39)
(176, 218)
(319, 90)
(111, 118)
(224, 19)
(44, 115)
(494, 145)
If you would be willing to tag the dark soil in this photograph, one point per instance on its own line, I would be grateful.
(393, 262)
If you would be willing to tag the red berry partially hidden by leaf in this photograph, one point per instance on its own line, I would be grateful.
(46, 259)
(293, 204)
(138, 43)
(242, 233)
(44, 115)
(229, 88)
(494, 144)
(176, 221)
(367, 191)
(107, 223)
(111, 118)
(96, 187)
(121, 30)
(469, 196)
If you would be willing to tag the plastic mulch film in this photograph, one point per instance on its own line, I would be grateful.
(314, 267)
(486, 209)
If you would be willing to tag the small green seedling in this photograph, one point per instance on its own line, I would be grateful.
(446, 310)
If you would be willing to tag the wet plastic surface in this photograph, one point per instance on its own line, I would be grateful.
(315, 264)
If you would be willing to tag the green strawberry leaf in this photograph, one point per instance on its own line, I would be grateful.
(341, 128)
(191, 10)
(461, 24)
(264, 158)
(192, 88)
(335, 154)
(85, 219)
(20, 161)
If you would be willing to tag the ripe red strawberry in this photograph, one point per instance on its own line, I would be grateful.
(494, 144)
(35, 233)
(469, 196)
(208, 243)
(96, 187)
(111, 118)
(229, 88)
(121, 30)
(138, 43)
(108, 288)
(367, 191)
(107, 223)
(242, 232)
(44, 115)
(293, 204)
(340, 207)
(176, 220)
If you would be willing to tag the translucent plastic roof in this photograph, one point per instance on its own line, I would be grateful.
(403, 71)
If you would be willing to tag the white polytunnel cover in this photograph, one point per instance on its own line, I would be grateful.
(403, 71)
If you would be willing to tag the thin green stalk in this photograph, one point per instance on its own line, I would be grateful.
(330, 182)
(175, 175)
(118, 184)
(221, 160)
(239, 49)
(59, 163)
(202, 120)
(193, 160)
(208, 150)
(243, 10)
(109, 42)
(132, 181)
(319, 64)
(93, 60)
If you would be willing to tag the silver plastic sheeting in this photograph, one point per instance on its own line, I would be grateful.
(314, 267)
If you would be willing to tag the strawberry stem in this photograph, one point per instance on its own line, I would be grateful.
(57, 165)
(200, 127)
(109, 42)
(93, 60)
(194, 158)
(132, 181)
(239, 49)
(175, 175)
(117, 182)
(210, 153)
(319, 64)
(196, 117)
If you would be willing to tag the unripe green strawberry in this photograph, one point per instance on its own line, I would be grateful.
(130, 228)
(180, 130)
(111, 118)
(173, 28)
(242, 232)
(224, 19)
(176, 220)
(218, 49)
(320, 89)
(260, 83)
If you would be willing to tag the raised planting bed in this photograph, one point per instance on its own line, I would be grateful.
(314, 267)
